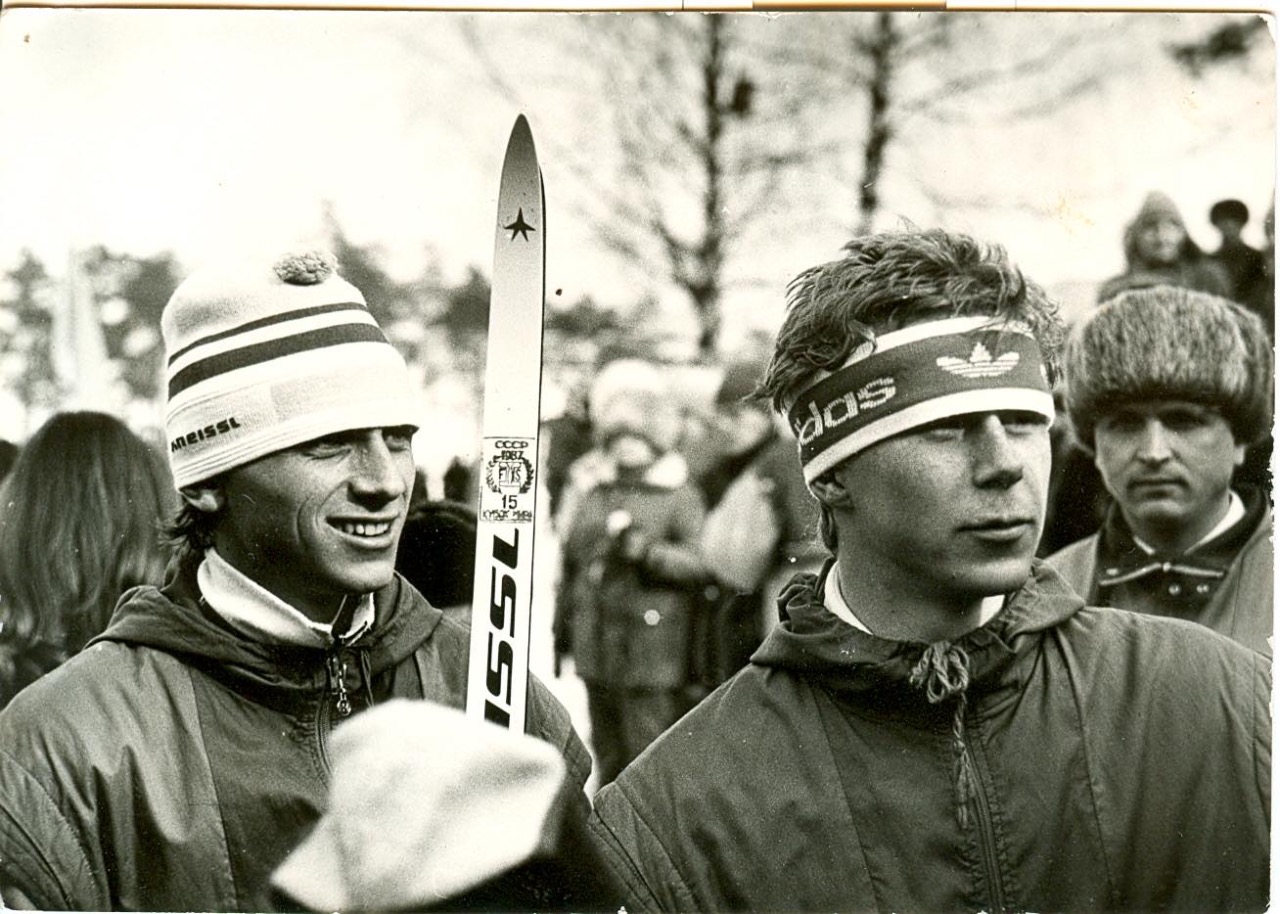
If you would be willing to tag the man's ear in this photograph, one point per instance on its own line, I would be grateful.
(830, 491)
(1239, 454)
(205, 496)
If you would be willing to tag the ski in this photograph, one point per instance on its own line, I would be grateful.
(502, 598)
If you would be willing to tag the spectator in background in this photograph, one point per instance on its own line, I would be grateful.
(82, 517)
(568, 438)
(630, 566)
(1243, 265)
(1166, 387)
(1159, 252)
(459, 483)
(8, 454)
(762, 522)
(437, 555)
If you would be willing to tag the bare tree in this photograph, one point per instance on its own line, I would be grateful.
(701, 127)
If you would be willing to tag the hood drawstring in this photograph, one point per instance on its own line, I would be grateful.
(943, 671)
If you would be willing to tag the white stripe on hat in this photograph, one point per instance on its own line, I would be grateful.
(275, 331)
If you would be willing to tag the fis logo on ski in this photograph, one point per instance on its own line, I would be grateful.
(509, 476)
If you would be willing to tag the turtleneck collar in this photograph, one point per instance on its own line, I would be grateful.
(255, 612)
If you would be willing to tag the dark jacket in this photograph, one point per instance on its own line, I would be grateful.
(1112, 762)
(1227, 584)
(173, 764)
(629, 621)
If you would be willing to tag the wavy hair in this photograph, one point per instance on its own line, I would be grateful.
(81, 521)
(892, 280)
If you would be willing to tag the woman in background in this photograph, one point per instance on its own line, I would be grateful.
(82, 517)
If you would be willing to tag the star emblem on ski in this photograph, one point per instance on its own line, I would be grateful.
(519, 227)
(502, 596)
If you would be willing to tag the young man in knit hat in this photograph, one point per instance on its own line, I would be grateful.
(174, 763)
(1166, 388)
(938, 723)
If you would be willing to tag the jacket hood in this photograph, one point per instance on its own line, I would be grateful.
(175, 619)
(812, 642)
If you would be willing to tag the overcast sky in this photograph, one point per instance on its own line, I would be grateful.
(201, 131)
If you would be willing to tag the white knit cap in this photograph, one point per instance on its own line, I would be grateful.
(264, 356)
(425, 805)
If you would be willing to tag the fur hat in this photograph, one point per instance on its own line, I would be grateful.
(631, 396)
(263, 356)
(1174, 344)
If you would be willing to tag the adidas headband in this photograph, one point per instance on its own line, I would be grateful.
(915, 376)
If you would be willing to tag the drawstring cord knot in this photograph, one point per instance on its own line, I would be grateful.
(942, 672)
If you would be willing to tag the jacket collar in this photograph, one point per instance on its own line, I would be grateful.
(813, 643)
(176, 619)
(1123, 560)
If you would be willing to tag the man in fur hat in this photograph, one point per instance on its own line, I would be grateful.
(1166, 388)
(177, 760)
(938, 723)
(1157, 251)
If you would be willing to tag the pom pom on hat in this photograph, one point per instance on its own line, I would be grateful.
(1168, 343)
(306, 269)
(264, 355)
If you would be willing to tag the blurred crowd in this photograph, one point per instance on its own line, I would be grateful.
(679, 522)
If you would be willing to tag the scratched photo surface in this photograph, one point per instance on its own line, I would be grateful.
(692, 166)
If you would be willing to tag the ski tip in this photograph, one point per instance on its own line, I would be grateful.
(521, 127)
(520, 147)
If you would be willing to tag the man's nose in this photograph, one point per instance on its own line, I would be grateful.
(1153, 442)
(376, 469)
(996, 460)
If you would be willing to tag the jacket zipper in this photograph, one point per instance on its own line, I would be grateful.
(986, 837)
(338, 675)
(335, 684)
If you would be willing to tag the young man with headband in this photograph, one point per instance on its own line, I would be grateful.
(938, 723)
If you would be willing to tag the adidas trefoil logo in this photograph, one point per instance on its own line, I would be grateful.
(980, 364)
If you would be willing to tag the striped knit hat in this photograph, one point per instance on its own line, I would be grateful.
(1168, 343)
(262, 357)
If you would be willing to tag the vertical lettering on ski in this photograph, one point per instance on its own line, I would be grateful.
(502, 621)
(501, 608)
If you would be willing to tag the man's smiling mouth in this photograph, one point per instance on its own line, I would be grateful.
(363, 528)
